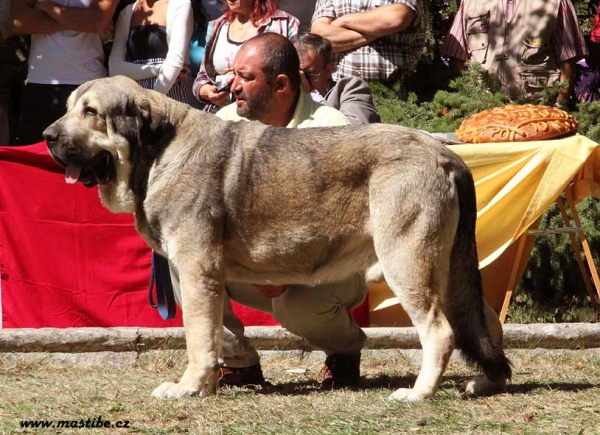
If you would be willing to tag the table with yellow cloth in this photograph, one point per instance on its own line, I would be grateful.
(516, 183)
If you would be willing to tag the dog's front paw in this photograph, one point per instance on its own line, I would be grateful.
(171, 390)
(406, 395)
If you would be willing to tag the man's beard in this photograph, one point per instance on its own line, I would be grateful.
(256, 107)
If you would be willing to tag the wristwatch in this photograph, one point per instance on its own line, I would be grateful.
(561, 106)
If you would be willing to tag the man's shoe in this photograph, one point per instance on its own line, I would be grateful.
(241, 377)
(340, 371)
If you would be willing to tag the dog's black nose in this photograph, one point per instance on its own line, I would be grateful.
(50, 135)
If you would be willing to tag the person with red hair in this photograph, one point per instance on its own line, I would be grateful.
(241, 20)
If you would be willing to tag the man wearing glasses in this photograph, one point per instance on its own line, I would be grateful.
(267, 88)
(350, 95)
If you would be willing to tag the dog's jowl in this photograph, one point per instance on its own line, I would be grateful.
(387, 201)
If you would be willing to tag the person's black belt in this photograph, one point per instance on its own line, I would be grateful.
(165, 298)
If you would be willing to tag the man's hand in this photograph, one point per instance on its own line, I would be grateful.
(211, 93)
(270, 291)
(567, 72)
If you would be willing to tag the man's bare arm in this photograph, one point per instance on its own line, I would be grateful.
(95, 19)
(27, 20)
(341, 39)
(377, 22)
(567, 73)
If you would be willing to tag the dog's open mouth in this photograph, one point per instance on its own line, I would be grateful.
(99, 170)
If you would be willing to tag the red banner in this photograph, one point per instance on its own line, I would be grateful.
(66, 261)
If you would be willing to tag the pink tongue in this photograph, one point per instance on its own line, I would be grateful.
(72, 174)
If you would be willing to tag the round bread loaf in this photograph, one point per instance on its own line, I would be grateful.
(516, 123)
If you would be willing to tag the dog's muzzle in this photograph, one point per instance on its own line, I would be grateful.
(99, 170)
(86, 168)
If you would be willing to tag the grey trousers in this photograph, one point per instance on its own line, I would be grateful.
(320, 315)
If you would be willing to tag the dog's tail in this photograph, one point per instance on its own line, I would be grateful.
(464, 302)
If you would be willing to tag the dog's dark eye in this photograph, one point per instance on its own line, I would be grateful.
(89, 111)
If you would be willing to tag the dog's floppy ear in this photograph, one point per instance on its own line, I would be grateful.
(141, 122)
(125, 122)
(144, 121)
(154, 123)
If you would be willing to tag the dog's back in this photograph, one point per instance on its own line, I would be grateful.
(298, 202)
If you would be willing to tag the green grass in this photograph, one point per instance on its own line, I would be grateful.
(551, 393)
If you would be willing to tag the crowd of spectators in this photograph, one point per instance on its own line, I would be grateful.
(186, 49)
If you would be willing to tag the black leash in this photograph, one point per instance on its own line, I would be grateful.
(165, 298)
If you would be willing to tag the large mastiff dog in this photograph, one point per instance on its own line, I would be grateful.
(252, 203)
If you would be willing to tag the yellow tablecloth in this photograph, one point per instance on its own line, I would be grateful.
(515, 183)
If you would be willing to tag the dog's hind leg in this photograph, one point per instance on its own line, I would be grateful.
(414, 251)
(417, 288)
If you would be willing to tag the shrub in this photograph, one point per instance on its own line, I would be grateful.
(440, 104)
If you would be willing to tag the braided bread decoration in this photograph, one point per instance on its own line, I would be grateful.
(516, 123)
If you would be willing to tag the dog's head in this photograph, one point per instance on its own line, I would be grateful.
(107, 122)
